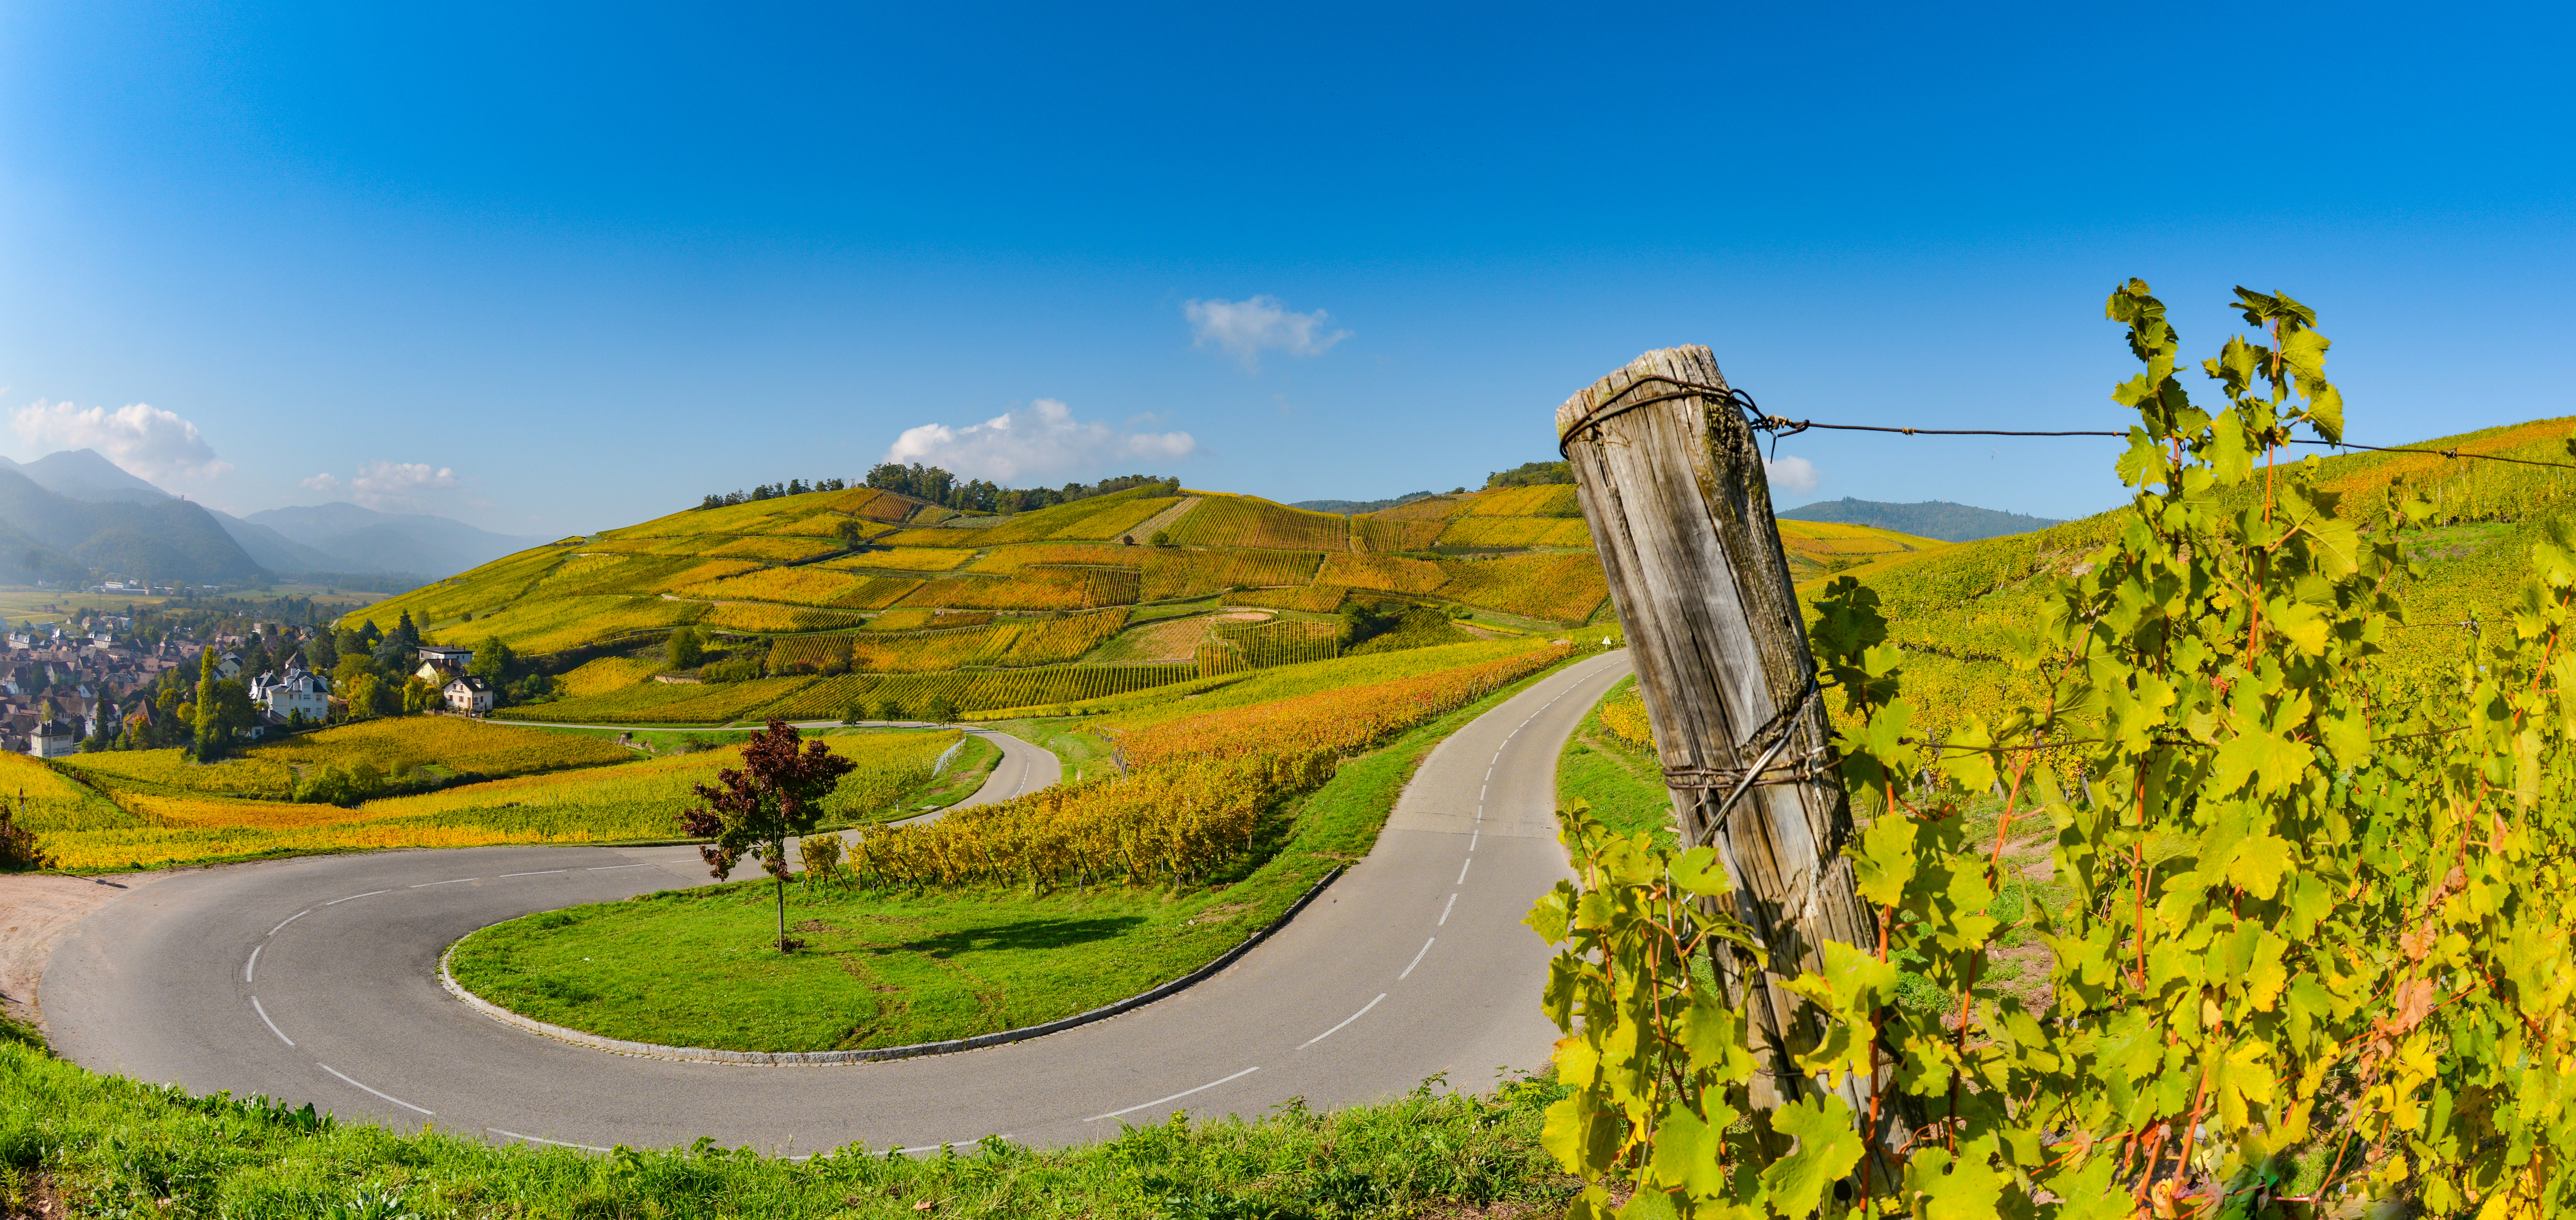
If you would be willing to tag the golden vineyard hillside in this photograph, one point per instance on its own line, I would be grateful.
(1956, 612)
(831, 603)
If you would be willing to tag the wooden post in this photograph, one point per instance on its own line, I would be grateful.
(1672, 485)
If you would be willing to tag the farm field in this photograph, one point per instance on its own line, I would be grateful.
(914, 943)
(845, 587)
(445, 746)
(635, 800)
(663, 703)
(1953, 608)
(787, 575)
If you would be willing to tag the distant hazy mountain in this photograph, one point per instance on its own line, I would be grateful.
(1360, 506)
(86, 474)
(276, 551)
(348, 538)
(1929, 519)
(339, 538)
(164, 539)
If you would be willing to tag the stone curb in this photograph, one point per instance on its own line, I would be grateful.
(690, 1054)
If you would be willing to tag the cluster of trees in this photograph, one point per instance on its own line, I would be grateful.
(939, 487)
(771, 491)
(1531, 474)
(688, 648)
(975, 495)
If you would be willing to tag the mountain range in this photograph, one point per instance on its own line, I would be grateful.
(68, 512)
(1927, 519)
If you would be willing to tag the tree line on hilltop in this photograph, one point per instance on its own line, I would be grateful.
(938, 486)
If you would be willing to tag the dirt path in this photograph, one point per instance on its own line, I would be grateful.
(35, 910)
(1163, 520)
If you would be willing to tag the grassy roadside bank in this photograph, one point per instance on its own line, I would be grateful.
(1623, 783)
(893, 968)
(76, 1143)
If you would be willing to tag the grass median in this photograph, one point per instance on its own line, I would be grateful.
(893, 968)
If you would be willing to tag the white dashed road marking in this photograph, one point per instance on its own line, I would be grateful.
(1177, 1096)
(1338, 1028)
(1417, 958)
(272, 1025)
(378, 1092)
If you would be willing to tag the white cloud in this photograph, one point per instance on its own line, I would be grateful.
(1245, 329)
(389, 486)
(144, 439)
(1042, 439)
(1795, 475)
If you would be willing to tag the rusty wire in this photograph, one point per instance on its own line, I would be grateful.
(1780, 425)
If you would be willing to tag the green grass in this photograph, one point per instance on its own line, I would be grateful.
(107, 1146)
(692, 968)
(1623, 784)
(695, 968)
(966, 773)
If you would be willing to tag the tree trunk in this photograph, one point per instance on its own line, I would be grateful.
(1680, 510)
(781, 882)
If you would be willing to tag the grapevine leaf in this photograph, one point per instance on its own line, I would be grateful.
(2144, 460)
(2266, 976)
(1582, 1136)
(2338, 544)
(1688, 1152)
(1964, 758)
(2302, 625)
(1649, 1205)
(2229, 457)
(2258, 864)
(2088, 1192)
(1828, 1147)
(1886, 862)
(1578, 1062)
(2346, 734)
(1553, 914)
(1713, 1036)
(1699, 871)
(2244, 1081)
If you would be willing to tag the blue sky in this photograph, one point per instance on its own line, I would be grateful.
(565, 270)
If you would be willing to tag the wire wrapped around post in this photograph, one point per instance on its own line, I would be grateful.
(1671, 482)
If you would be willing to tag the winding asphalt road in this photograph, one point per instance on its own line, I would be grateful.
(316, 979)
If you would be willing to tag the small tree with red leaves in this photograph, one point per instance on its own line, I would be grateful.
(777, 794)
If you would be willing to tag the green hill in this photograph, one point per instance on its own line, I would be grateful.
(822, 600)
(1951, 609)
(1929, 518)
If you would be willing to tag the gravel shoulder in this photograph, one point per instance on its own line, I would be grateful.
(35, 910)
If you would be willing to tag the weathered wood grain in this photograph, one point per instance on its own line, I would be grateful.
(1681, 514)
